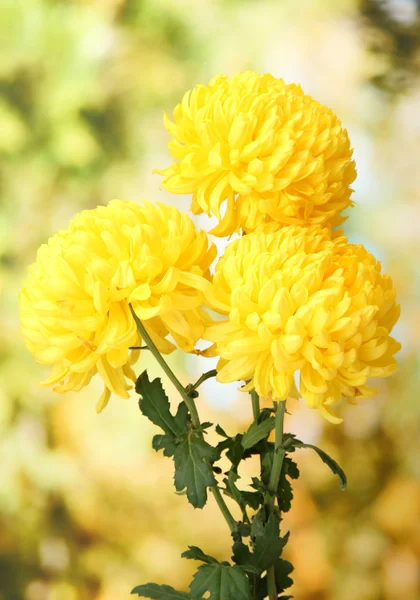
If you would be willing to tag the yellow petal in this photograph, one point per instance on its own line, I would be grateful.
(103, 400)
(113, 378)
(329, 415)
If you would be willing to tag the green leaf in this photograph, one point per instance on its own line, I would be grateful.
(192, 468)
(166, 442)
(330, 462)
(241, 553)
(267, 463)
(253, 499)
(288, 441)
(233, 491)
(244, 529)
(223, 582)
(154, 404)
(291, 468)
(269, 545)
(206, 425)
(243, 498)
(257, 432)
(236, 451)
(258, 523)
(160, 592)
(195, 553)
(265, 413)
(242, 556)
(284, 490)
(234, 448)
(221, 431)
(282, 569)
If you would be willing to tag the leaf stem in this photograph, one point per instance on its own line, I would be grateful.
(178, 385)
(203, 378)
(224, 509)
(189, 401)
(271, 584)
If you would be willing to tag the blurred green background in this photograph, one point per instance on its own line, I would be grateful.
(87, 510)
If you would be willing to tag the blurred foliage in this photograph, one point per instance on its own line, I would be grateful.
(392, 30)
(83, 85)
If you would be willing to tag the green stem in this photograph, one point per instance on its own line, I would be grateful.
(203, 378)
(180, 388)
(189, 401)
(279, 451)
(271, 584)
(279, 454)
(255, 405)
(224, 508)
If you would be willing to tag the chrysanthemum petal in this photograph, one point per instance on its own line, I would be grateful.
(264, 152)
(301, 300)
(103, 400)
(74, 306)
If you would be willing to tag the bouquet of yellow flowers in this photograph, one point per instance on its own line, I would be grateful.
(292, 309)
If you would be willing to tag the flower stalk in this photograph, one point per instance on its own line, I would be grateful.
(189, 401)
(167, 369)
(279, 451)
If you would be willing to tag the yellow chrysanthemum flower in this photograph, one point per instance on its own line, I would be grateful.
(74, 306)
(264, 148)
(299, 301)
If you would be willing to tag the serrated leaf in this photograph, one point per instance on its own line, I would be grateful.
(243, 557)
(253, 499)
(195, 553)
(284, 490)
(288, 441)
(284, 494)
(268, 546)
(265, 413)
(221, 431)
(257, 432)
(291, 468)
(258, 522)
(282, 570)
(154, 404)
(241, 553)
(159, 592)
(225, 444)
(236, 451)
(231, 489)
(192, 468)
(330, 462)
(165, 442)
(267, 463)
(223, 582)
(243, 498)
